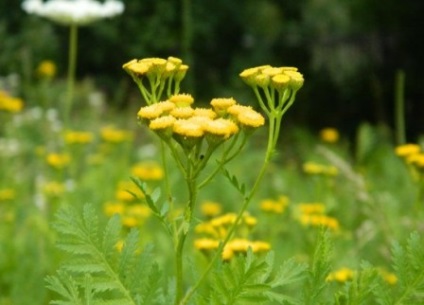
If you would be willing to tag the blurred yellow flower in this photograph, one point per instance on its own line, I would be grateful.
(274, 206)
(57, 160)
(7, 194)
(9, 103)
(78, 137)
(329, 135)
(406, 150)
(47, 69)
(313, 168)
(312, 208)
(148, 170)
(112, 135)
(112, 208)
(210, 208)
(342, 275)
(206, 244)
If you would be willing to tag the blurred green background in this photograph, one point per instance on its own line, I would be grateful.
(349, 51)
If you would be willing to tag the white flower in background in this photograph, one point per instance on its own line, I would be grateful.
(79, 12)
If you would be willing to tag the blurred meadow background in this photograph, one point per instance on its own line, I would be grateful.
(349, 158)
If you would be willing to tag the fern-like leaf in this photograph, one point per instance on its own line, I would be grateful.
(408, 262)
(96, 273)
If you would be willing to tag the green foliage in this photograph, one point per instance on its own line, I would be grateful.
(408, 261)
(251, 279)
(361, 289)
(96, 271)
(318, 271)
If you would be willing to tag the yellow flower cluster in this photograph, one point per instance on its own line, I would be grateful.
(131, 208)
(274, 206)
(313, 168)
(9, 103)
(278, 78)
(329, 135)
(341, 275)
(78, 137)
(147, 170)
(412, 153)
(313, 214)
(175, 117)
(157, 67)
(217, 228)
(233, 247)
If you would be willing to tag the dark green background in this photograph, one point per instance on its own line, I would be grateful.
(349, 51)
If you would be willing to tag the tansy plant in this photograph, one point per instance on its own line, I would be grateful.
(194, 136)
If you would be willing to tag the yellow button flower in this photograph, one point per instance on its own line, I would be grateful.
(329, 135)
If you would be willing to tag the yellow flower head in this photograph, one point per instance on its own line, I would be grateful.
(47, 69)
(165, 106)
(150, 112)
(250, 118)
(221, 104)
(296, 79)
(148, 170)
(156, 65)
(136, 67)
(204, 112)
(406, 150)
(182, 100)
(161, 123)
(187, 128)
(249, 75)
(181, 73)
(280, 81)
(182, 112)
(221, 127)
(272, 71)
(262, 80)
(329, 135)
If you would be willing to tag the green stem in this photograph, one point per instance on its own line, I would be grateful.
(72, 60)
(244, 207)
(184, 230)
(400, 107)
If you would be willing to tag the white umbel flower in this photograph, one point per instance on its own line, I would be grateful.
(80, 12)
